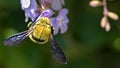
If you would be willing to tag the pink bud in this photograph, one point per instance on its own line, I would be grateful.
(95, 3)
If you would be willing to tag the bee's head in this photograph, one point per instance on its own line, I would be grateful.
(44, 20)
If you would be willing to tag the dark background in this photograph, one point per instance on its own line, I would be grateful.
(86, 44)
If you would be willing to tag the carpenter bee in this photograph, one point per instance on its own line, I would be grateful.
(39, 32)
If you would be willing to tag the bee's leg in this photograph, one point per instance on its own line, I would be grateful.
(29, 24)
(52, 30)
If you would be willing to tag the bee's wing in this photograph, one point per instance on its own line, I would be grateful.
(17, 38)
(57, 53)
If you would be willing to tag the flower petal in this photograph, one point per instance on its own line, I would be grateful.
(62, 1)
(26, 18)
(62, 19)
(63, 28)
(56, 5)
(54, 23)
(65, 20)
(25, 3)
(29, 9)
(44, 1)
(46, 13)
(63, 11)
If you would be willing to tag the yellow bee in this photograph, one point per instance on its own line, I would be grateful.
(39, 32)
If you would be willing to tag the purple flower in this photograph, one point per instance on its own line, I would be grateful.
(60, 22)
(29, 7)
(57, 4)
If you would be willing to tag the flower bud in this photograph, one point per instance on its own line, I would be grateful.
(95, 3)
(107, 27)
(103, 22)
(113, 15)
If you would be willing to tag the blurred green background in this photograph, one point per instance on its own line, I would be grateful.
(86, 44)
